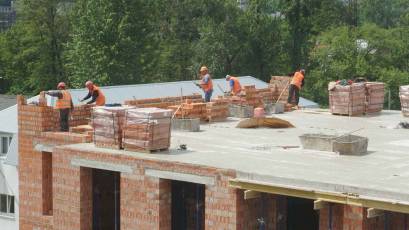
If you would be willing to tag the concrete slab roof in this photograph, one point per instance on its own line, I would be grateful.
(381, 174)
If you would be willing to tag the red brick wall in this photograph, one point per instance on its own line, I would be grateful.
(47, 184)
(86, 198)
(32, 120)
(337, 211)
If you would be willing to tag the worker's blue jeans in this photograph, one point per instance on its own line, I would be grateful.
(208, 95)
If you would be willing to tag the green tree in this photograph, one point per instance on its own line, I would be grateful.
(369, 51)
(112, 41)
(31, 51)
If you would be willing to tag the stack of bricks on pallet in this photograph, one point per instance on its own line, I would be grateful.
(217, 109)
(190, 110)
(348, 100)
(108, 125)
(252, 96)
(404, 99)
(279, 86)
(267, 94)
(375, 96)
(163, 102)
(147, 129)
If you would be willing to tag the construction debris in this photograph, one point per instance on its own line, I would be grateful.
(268, 122)
(403, 125)
(147, 129)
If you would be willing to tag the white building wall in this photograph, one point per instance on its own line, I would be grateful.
(10, 174)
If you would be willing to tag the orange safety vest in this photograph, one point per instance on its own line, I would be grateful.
(207, 86)
(297, 79)
(236, 87)
(65, 101)
(101, 97)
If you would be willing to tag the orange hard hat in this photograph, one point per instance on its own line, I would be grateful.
(61, 85)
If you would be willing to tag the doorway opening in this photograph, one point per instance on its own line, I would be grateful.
(301, 214)
(105, 200)
(188, 206)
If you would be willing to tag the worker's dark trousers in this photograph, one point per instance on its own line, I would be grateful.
(294, 92)
(64, 116)
(208, 95)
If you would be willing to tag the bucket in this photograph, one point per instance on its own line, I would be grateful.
(259, 112)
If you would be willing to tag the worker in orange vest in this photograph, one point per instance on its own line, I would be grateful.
(234, 83)
(64, 104)
(97, 95)
(206, 83)
(295, 86)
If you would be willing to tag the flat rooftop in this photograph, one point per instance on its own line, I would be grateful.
(257, 155)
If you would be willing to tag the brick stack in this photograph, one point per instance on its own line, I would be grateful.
(163, 102)
(348, 100)
(147, 129)
(266, 94)
(190, 110)
(81, 115)
(252, 96)
(217, 109)
(375, 96)
(404, 99)
(108, 123)
(278, 85)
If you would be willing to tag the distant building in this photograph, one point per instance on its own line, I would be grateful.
(7, 15)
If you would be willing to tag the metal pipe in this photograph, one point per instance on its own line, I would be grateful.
(197, 207)
(330, 216)
(386, 222)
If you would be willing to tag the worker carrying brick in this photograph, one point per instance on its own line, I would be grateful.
(206, 83)
(96, 93)
(64, 104)
(234, 84)
(296, 84)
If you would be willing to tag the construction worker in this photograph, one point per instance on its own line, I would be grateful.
(206, 83)
(64, 104)
(93, 91)
(295, 86)
(234, 83)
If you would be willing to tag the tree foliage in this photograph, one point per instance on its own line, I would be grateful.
(139, 41)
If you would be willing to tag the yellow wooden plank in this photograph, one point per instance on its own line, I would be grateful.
(341, 198)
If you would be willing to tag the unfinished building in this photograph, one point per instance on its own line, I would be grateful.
(226, 178)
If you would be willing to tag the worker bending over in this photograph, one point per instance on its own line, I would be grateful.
(206, 83)
(93, 91)
(64, 104)
(234, 83)
(296, 84)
